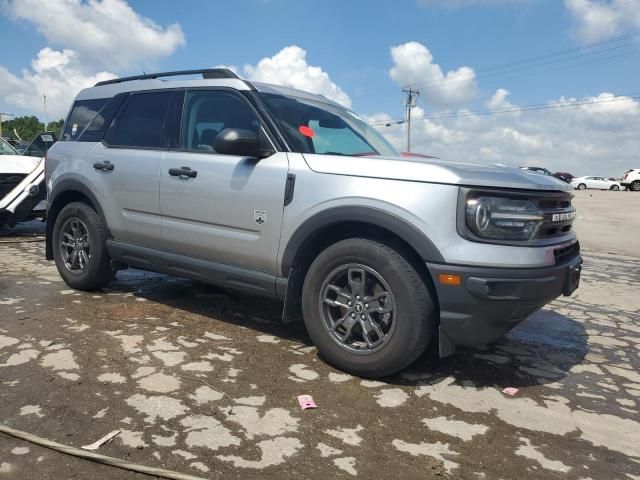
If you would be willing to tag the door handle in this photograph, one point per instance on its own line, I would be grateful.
(105, 166)
(184, 172)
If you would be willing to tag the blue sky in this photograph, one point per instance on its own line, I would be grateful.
(350, 41)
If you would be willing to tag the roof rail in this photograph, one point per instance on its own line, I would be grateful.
(206, 73)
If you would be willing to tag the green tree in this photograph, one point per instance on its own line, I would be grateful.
(28, 126)
(56, 127)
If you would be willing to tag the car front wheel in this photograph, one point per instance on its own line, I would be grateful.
(367, 308)
(582, 186)
(79, 247)
(615, 188)
(635, 186)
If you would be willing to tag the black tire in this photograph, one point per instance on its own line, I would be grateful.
(413, 315)
(635, 186)
(97, 271)
(582, 186)
(615, 188)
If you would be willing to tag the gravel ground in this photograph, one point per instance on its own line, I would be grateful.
(204, 381)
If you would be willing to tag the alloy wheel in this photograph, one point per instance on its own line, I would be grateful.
(75, 246)
(357, 308)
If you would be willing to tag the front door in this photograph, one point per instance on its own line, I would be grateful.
(229, 208)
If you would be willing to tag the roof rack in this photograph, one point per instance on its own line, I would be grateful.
(206, 73)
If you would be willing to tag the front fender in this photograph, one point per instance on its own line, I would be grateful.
(358, 213)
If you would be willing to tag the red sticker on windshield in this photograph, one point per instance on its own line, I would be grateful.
(306, 131)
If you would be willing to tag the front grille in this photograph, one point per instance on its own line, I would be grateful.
(558, 216)
(565, 254)
(9, 181)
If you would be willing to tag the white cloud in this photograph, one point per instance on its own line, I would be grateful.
(57, 74)
(91, 34)
(289, 67)
(598, 20)
(499, 100)
(413, 65)
(102, 32)
(595, 138)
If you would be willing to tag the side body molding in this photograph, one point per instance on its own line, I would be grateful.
(363, 214)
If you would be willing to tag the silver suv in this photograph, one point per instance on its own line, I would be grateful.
(281, 193)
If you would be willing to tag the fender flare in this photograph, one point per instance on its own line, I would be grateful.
(374, 216)
(64, 186)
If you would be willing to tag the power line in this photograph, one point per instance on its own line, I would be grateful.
(586, 51)
(524, 108)
(526, 67)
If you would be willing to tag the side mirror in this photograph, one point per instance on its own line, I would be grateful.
(244, 143)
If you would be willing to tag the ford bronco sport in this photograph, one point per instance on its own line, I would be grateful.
(281, 193)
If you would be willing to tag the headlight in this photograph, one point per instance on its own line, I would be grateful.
(502, 218)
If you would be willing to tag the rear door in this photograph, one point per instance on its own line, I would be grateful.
(230, 209)
(126, 168)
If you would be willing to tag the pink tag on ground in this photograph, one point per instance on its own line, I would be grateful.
(306, 401)
(510, 391)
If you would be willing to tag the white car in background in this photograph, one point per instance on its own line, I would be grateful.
(631, 180)
(598, 183)
(22, 190)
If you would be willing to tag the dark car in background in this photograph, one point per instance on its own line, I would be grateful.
(565, 177)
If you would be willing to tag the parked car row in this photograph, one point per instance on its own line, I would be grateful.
(630, 180)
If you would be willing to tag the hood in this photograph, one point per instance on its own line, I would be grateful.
(18, 163)
(433, 171)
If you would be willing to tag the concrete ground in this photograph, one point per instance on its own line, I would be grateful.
(204, 382)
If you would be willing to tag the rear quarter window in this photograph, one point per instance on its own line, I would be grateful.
(82, 113)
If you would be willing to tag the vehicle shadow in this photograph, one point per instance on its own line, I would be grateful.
(257, 313)
(23, 230)
(539, 351)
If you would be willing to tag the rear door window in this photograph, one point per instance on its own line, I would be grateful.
(141, 122)
(82, 113)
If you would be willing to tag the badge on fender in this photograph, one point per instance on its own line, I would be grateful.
(260, 216)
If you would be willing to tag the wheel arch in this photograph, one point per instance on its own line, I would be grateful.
(63, 193)
(332, 217)
(338, 223)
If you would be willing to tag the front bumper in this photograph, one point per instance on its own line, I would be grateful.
(491, 301)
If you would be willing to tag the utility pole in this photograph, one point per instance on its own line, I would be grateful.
(6, 114)
(44, 97)
(411, 97)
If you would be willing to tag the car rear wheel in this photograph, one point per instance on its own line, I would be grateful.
(615, 188)
(635, 186)
(366, 308)
(582, 186)
(79, 247)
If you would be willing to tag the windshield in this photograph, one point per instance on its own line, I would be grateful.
(317, 127)
(6, 149)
